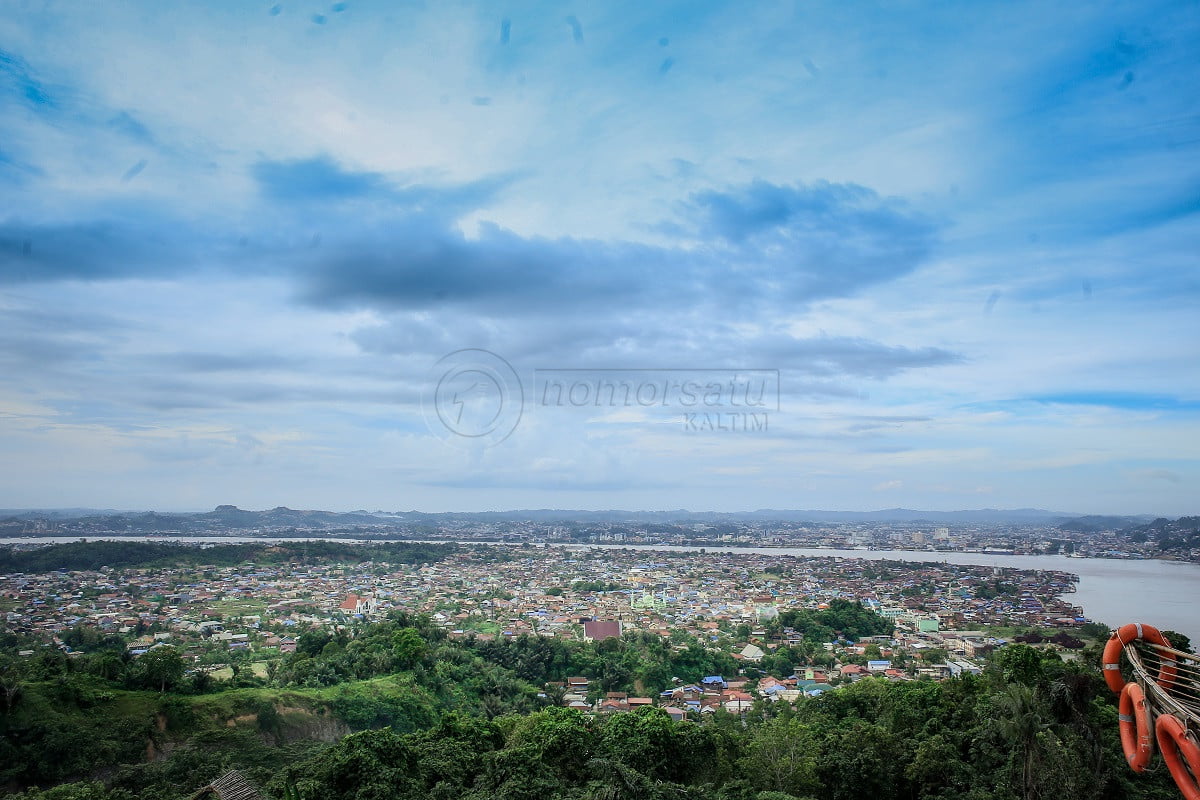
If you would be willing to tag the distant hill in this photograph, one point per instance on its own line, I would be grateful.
(1180, 535)
(62, 513)
(1028, 516)
(225, 517)
(1095, 523)
(281, 518)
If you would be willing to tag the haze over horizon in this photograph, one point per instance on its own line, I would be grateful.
(954, 248)
(897, 513)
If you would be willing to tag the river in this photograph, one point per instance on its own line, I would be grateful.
(1165, 594)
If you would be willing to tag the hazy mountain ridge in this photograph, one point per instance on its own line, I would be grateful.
(1182, 533)
(222, 517)
(18, 522)
(1091, 523)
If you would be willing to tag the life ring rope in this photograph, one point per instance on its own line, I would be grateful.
(1125, 636)
(1181, 754)
(1159, 708)
(1137, 730)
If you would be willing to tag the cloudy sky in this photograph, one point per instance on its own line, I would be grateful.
(239, 243)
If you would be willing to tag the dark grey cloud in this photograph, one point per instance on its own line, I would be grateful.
(300, 186)
(317, 179)
(354, 239)
(759, 245)
(720, 291)
(424, 262)
(823, 238)
(138, 245)
(860, 358)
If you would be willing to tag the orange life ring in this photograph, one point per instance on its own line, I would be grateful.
(1181, 754)
(1135, 727)
(1130, 633)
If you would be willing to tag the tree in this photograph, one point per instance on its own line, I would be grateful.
(643, 740)
(558, 737)
(161, 666)
(407, 648)
(1179, 641)
(1021, 722)
(934, 655)
(860, 759)
(201, 681)
(11, 681)
(373, 765)
(1022, 664)
(781, 757)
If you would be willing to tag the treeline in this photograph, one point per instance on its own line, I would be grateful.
(1031, 727)
(85, 555)
(500, 675)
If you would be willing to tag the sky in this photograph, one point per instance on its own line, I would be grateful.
(599, 255)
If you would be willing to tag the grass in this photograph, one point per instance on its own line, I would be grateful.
(1010, 631)
(233, 702)
(134, 704)
(259, 668)
(241, 607)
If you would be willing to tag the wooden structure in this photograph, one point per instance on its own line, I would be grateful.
(230, 786)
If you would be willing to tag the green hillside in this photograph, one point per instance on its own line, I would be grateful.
(399, 711)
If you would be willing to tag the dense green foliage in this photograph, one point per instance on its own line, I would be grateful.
(851, 620)
(978, 738)
(84, 555)
(430, 717)
(1033, 727)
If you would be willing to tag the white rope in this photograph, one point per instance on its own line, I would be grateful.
(1181, 698)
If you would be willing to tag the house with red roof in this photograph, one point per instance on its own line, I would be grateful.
(353, 604)
(599, 630)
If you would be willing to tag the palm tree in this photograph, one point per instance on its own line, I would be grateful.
(555, 695)
(1020, 721)
(616, 781)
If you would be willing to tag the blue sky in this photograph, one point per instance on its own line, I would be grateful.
(237, 239)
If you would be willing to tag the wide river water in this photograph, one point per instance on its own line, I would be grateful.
(1165, 594)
